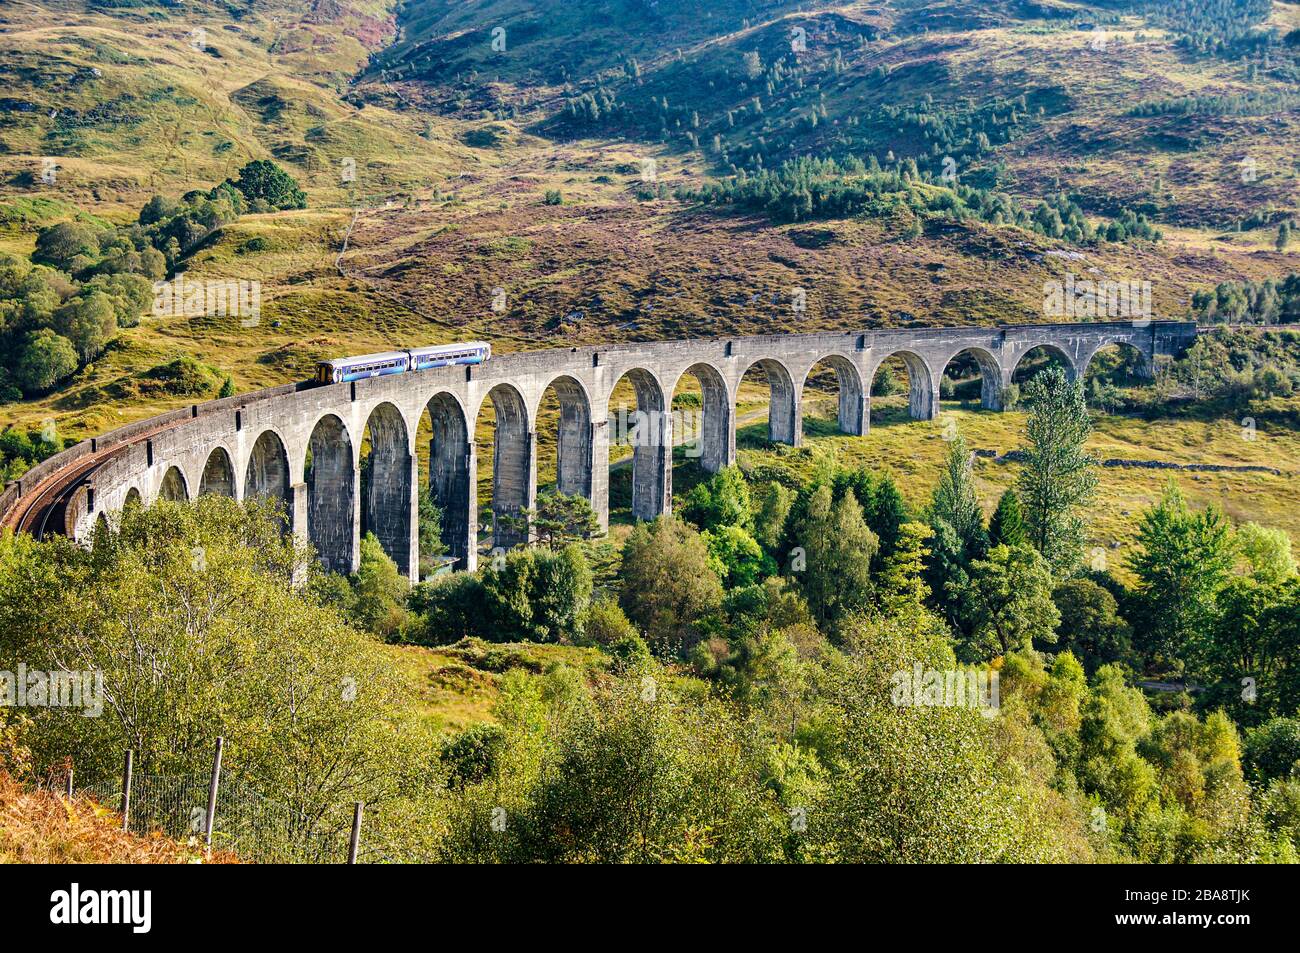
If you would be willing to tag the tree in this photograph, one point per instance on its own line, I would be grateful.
(67, 246)
(901, 580)
(1058, 476)
(772, 509)
(887, 514)
(1283, 236)
(537, 596)
(1250, 657)
(1091, 627)
(1267, 552)
(1272, 750)
(560, 519)
(45, 359)
(380, 591)
(736, 556)
(723, 500)
(837, 551)
(89, 321)
(262, 180)
(1008, 602)
(669, 588)
(955, 501)
(196, 616)
(1007, 527)
(1182, 559)
(606, 624)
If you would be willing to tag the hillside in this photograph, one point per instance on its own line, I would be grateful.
(432, 155)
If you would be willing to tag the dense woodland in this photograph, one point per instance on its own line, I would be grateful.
(752, 649)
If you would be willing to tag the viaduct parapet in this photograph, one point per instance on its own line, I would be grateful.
(301, 444)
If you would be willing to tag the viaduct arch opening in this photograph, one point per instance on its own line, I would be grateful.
(701, 418)
(904, 366)
(564, 438)
(972, 374)
(642, 424)
(267, 475)
(388, 508)
(783, 418)
(331, 478)
(218, 475)
(835, 374)
(451, 477)
(1038, 358)
(513, 487)
(173, 487)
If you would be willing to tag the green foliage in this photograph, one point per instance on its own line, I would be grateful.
(1058, 478)
(1007, 600)
(627, 774)
(605, 624)
(1091, 628)
(430, 529)
(196, 616)
(379, 591)
(955, 501)
(1268, 301)
(559, 520)
(537, 596)
(473, 755)
(1182, 559)
(1272, 751)
(1249, 652)
(534, 595)
(45, 360)
(736, 556)
(722, 500)
(1007, 527)
(837, 548)
(263, 183)
(669, 586)
(901, 581)
(772, 507)
(1267, 552)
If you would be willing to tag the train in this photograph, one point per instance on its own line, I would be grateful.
(364, 366)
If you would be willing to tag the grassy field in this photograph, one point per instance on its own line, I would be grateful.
(456, 686)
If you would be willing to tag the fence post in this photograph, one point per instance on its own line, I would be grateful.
(69, 779)
(356, 832)
(212, 795)
(126, 788)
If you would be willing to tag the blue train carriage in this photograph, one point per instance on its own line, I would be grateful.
(360, 368)
(444, 355)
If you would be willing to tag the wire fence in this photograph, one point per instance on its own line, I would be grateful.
(244, 820)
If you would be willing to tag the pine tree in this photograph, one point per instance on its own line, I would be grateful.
(902, 575)
(955, 501)
(1058, 478)
(1007, 528)
(888, 513)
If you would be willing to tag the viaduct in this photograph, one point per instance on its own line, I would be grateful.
(300, 444)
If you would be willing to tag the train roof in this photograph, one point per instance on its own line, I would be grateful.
(367, 358)
(460, 346)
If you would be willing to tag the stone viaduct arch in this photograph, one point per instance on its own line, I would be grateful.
(300, 444)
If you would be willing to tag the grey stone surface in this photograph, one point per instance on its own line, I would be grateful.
(261, 444)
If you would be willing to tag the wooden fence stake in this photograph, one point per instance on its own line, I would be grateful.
(126, 788)
(212, 795)
(356, 832)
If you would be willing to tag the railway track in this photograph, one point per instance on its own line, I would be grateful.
(43, 508)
